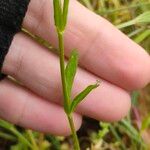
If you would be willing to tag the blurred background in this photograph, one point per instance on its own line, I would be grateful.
(132, 133)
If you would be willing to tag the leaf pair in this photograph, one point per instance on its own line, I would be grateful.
(70, 72)
(60, 14)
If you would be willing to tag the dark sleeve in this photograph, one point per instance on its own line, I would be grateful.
(12, 13)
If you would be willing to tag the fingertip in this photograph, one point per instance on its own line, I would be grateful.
(115, 108)
(120, 110)
(135, 72)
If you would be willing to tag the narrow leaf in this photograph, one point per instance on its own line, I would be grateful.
(56, 18)
(143, 18)
(70, 70)
(141, 37)
(82, 95)
(58, 13)
(65, 12)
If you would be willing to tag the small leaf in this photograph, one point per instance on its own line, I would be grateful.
(82, 95)
(65, 12)
(56, 18)
(70, 70)
(58, 13)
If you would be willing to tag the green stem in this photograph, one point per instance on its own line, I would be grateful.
(62, 68)
(8, 137)
(32, 139)
(74, 134)
(20, 137)
(64, 86)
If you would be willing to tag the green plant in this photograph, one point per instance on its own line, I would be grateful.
(68, 72)
(115, 136)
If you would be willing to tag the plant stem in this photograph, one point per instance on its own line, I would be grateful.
(8, 137)
(62, 68)
(13, 130)
(74, 134)
(32, 139)
(21, 137)
(64, 86)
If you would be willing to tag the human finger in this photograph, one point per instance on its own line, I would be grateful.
(103, 49)
(38, 69)
(20, 106)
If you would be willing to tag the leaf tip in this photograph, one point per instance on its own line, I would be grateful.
(98, 82)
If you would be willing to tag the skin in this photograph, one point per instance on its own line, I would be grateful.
(105, 54)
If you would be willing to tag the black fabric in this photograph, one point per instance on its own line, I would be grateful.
(12, 13)
(2, 76)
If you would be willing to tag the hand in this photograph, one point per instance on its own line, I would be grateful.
(105, 54)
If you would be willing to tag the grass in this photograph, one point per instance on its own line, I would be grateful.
(133, 132)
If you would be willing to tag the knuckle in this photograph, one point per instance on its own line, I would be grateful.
(39, 18)
(14, 59)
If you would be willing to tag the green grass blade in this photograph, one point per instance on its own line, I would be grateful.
(81, 96)
(7, 136)
(145, 123)
(13, 130)
(132, 132)
(117, 137)
(140, 38)
(70, 70)
(5, 125)
(126, 24)
(143, 18)
(134, 97)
